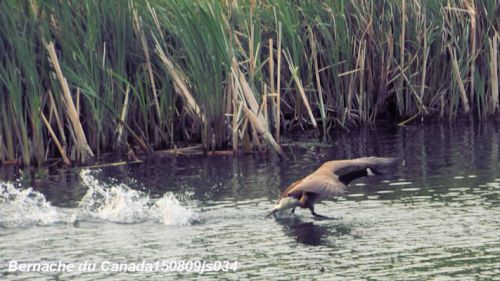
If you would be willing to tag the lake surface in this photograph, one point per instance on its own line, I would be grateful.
(436, 215)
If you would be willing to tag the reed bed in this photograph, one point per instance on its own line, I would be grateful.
(79, 78)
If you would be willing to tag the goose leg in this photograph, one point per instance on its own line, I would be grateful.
(311, 208)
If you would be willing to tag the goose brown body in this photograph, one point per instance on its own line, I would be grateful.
(325, 182)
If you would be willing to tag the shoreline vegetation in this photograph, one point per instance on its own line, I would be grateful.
(82, 78)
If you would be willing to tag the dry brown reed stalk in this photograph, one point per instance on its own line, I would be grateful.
(271, 81)
(255, 139)
(388, 55)
(362, 95)
(401, 92)
(144, 146)
(264, 105)
(314, 54)
(247, 98)
(233, 92)
(402, 52)
(236, 114)
(412, 88)
(78, 102)
(251, 37)
(461, 87)
(181, 86)
(9, 138)
(154, 16)
(252, 110)
(244, 88)
(54, 138)
(53, 112)
(426, 51)
(16, 129)
(140, 31)
(278, 89)
(243, 132)
(349, 91)
(385, 59)
(81, 141)
(123, 116)
(300, 88)
(471, 10)
(114, 164)
(261, 129)
(494, 71)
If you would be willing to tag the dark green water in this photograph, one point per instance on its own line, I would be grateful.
(434, 216)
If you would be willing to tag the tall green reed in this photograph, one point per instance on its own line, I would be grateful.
(343, 63)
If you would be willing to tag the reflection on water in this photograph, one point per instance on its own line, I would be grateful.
(304, 232)
(312, 233)
(435, 216)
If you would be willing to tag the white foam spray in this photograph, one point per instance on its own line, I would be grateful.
(102, 202)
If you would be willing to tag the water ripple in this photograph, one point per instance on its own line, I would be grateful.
(436, 217)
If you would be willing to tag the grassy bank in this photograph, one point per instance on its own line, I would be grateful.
(79, 78)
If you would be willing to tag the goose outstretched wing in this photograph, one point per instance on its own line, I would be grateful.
(364, 162)
(323, 186)
(325, 182)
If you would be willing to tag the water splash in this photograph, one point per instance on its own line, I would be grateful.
(102, 202)
(24, 207)
(169, 211)
(117, 203)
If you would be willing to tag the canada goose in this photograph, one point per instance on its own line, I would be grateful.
(324, 182)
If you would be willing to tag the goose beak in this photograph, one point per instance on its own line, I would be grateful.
(273, 211)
